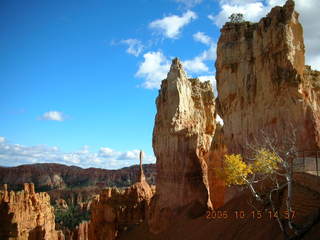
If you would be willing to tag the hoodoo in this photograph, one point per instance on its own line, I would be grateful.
(182, 135)
(26, 215)
(114, 210)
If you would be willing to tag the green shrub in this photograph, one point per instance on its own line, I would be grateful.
(236, 18)
(71, 217)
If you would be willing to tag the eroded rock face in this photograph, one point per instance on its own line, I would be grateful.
(182, 135)
(115, 210)
(26, 215)
(263, 83)
(53, 178)
(61, 204)
(81, 232)
(214, 160)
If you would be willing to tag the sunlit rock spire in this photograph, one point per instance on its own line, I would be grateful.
(142, 177)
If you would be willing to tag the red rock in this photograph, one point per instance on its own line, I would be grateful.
(263, 82)
(114, 210)
(214, 160)
(27, 215)
(182, 135)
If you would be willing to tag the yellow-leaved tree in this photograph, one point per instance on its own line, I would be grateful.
(237, 172)
(266, 163)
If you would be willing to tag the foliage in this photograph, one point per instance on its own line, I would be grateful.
(266, 162)
(44, 188)
(71, 217)
(235, 170)
(236, 18)
(238, 172)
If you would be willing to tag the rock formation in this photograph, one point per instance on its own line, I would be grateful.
(115, 210)
(142, 177)
(26, 215)
(263, 82)
(214, 161)
(81, 232)
(182, 135)
(61, 204)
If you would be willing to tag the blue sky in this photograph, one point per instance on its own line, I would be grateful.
(78, 79)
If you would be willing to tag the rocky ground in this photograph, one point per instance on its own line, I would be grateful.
(242, 221)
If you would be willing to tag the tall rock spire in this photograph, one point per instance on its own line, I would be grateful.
(142, 177)
(176, 70)
(182, 134)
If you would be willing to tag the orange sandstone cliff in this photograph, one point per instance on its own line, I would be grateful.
(182, 136)
(214, 160)
(263, 82)
(26, 215)
(115, 210)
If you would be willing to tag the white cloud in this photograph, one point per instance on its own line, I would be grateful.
(209, 54)
(16, 154)
(219, 120)
(2, 139)
(210, 78)
(197, 64)
(71, 158)
(55, 148)
(273, 3)
(106, 152)
(238, 1)
(154, 69)
(134, 154)
(309, 11)
(135, 46)
(203, 38)
(314, 61)
(84, 149)
(253, 10)
(189, 3)
(53, 116)
(156, 65)
(171, 26)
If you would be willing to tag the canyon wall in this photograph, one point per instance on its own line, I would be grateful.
(182, 136)
(263, 83)
(51, 176)
(26, 215)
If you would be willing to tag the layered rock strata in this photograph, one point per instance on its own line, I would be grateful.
(182, 135)
(26, 215)
(53, 178)
(263, 82)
